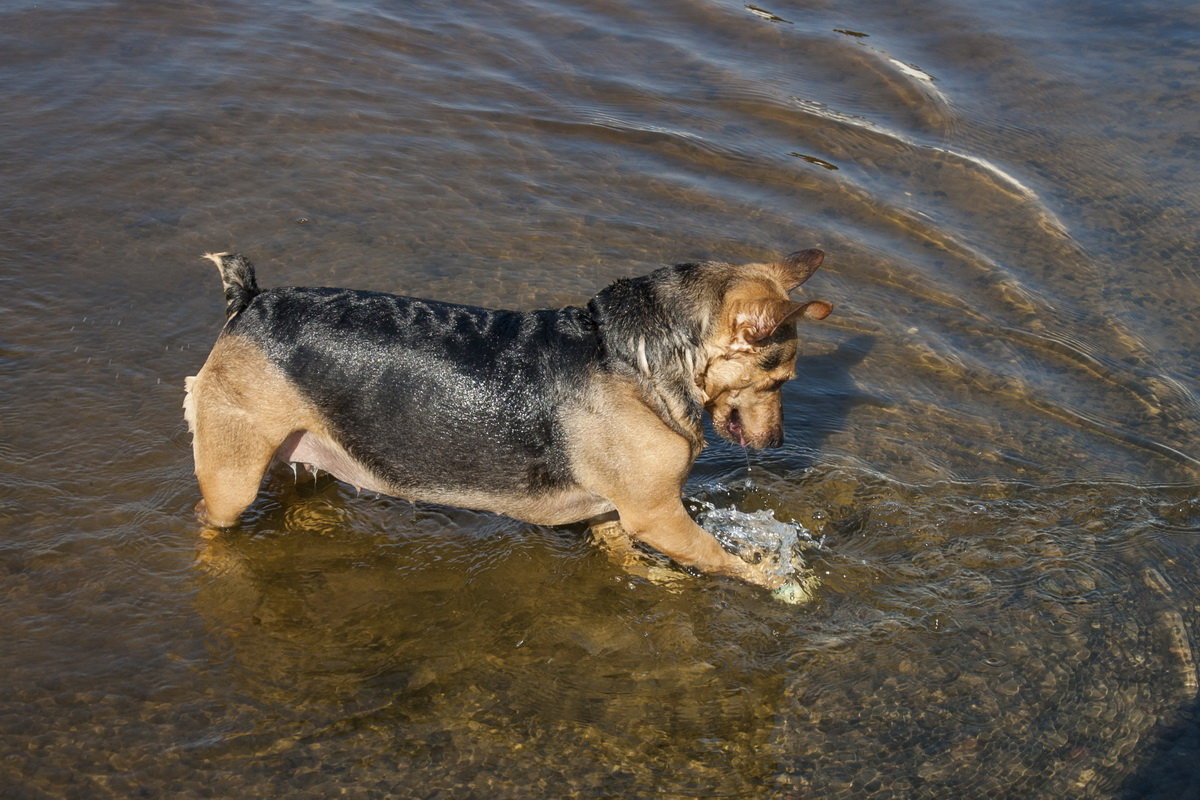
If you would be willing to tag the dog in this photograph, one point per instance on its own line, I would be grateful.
(591, 412)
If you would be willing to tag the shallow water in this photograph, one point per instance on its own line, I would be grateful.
(994, 438)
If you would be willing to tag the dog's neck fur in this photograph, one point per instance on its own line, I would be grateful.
(654, 330)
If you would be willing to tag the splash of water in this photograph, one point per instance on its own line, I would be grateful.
(760, 538)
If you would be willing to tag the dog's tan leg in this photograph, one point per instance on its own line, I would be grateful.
(640, 465)
(612, 538)
(240, 410)
(669, 529)
(615, 542)
(231, 459)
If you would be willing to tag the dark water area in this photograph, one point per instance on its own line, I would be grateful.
(995, 438)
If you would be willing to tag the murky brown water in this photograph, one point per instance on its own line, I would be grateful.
(995, 438)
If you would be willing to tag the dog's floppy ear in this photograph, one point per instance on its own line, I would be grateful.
(799, 266)
(752, 322)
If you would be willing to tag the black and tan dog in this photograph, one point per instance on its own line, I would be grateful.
(550, 416)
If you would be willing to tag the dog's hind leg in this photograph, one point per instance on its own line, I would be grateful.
(231, 459)
(240, 409)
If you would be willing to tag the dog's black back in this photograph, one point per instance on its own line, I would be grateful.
(431, 394)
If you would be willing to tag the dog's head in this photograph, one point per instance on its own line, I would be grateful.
(752, 349)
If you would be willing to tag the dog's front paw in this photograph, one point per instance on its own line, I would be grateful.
(759, 575)
(794, 592)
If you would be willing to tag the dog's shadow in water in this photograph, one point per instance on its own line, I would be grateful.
(815, 406)
(821, 397)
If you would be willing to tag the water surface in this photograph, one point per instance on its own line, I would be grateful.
(994, 438)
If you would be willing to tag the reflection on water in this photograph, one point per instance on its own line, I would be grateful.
(991, 462)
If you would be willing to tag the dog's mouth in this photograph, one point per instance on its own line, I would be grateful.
(733, 426)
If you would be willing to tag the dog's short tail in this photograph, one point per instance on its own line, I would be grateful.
(237, 276)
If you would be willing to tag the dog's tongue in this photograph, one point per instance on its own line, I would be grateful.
(735, 427)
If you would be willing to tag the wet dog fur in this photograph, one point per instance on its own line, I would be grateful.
(549, 416)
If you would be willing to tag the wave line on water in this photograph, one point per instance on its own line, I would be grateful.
(1016, 187)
